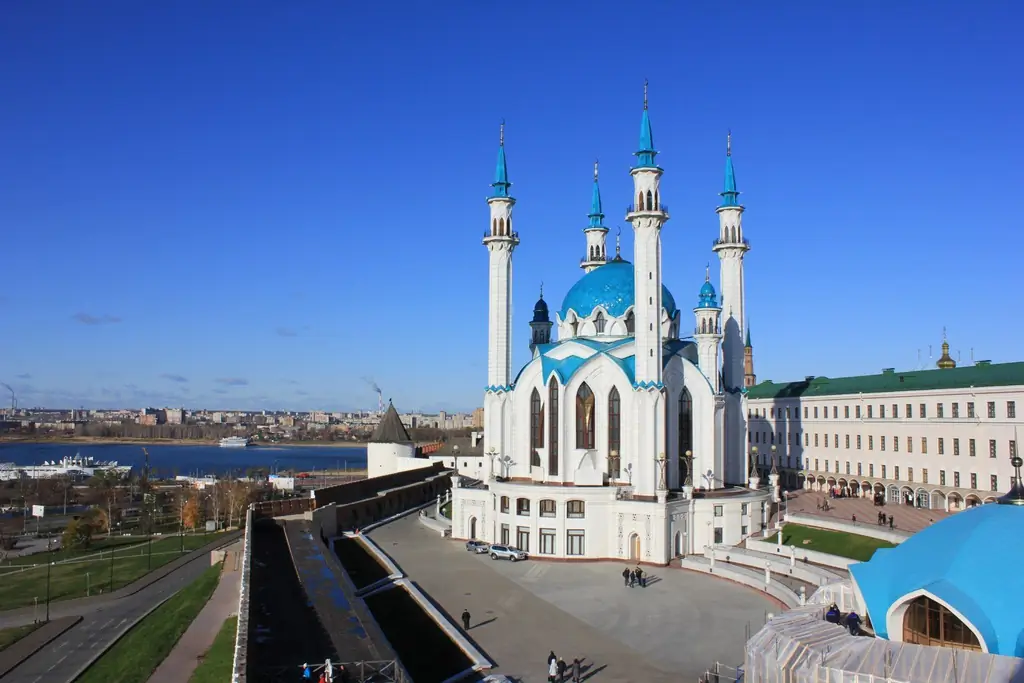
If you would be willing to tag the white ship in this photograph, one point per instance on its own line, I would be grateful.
(234, 442)
(77, 467)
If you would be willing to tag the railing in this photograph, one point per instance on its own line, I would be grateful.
(725, 243)
(242, 631)
(662, 207)
(378, 671)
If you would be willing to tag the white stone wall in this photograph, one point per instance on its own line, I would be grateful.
(388, 458)
(801, 441)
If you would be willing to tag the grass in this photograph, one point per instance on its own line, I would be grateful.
(88, 573)
(832, 542)
(9, 636)
(135, 657)
(218, 661)
(446, 510)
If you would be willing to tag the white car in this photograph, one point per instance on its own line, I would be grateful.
(507, 552)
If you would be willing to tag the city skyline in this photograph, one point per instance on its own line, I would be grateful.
(261, 218)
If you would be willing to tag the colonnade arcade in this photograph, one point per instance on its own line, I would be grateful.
(894, 494)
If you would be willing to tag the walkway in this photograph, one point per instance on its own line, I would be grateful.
(906, 517)
(197, 639)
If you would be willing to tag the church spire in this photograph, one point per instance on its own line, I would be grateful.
(645, 152)
(730, 196)
(595, 231)
(501, 183)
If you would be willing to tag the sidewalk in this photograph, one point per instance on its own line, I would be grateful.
(197, 639)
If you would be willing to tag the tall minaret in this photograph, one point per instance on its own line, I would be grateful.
(749, 378)
(595, 231)
(647, 216)
(540, 326)
(500, 241)
(731, 247)
(708, 332)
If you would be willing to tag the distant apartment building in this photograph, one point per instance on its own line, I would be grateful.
(174, 416)
(319, 416)
(478, 418)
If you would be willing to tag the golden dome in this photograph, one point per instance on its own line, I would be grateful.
(946, 362)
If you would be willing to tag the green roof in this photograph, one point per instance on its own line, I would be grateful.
(982, 374)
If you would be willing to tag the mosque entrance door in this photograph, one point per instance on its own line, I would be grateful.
(472, 527)
(634, 547)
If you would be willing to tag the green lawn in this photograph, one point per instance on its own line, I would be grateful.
(832, 542)
(9, 636)
(91, 571)
(99, 544)
(135, 657)
(218, 660)
(446, 510)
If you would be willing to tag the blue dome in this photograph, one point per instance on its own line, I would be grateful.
(968, 561)
(708, 298)
(611, 287)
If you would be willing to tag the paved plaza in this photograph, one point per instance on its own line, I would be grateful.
(670, 631)
(906, 517)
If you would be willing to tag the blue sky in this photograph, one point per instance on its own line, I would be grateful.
(260, 204)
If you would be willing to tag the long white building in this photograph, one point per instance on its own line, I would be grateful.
(939, 439)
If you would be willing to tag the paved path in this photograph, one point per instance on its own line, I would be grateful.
(905, 517)
(197, 639)
(670, 631)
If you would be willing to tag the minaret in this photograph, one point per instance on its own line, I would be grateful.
(540, 326)
(749, 378)
(595, 231)
(708, 332)
(501, 240)
(647, 216)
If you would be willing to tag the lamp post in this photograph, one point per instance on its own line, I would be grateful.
(455, 454)
(689, 469)
(49, 564)
(111, 568)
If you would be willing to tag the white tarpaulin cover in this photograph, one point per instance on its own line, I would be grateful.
(799, 646)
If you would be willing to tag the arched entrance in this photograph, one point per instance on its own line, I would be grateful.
(938, 500)
(680, 550)
(929, 622)
(954, 502)
(472, 527)
(634, 547)
(894, 494)
(923, 499)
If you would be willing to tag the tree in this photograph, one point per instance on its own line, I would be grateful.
(98, 520)
(78, 534)
(190, 514)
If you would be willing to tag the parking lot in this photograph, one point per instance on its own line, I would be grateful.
(670, 631)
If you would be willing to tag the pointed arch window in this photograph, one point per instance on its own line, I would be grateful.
(599, 322)
(685, 432)
(553, 427)
(536, 428)
(614, 433)
(584, 417)
(630, 323)
(650, 201)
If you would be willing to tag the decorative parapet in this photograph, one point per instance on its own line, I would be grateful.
(648, 386)
(242, 631)
(498, 388)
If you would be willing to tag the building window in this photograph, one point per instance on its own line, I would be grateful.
(883, 471)
(523, 506)
(992, 409)
(895, 444)
(718, 535)
(826, 465)
(956, 446)
(881, 443)
(847, 466)
(805, 412)
(504, 503)
(685, 432)
(718, 511)
(923, 410)
(871, 469)
(869, 412)
(614, 433)
(835, 412)
(547, 508)
(846, 412)
(956, 410)
(881, 412)
(910, 444)
(523, 538)
(896, 472)
(895, 411)
(858, 412)
(927, 622)
(599, 323)
(991, 448)
(995, 482)
(1011, 409)
(924, 444)
(971, 450)
(547, 542)
(574, 542)
(553, 427)
(956, 480)
(858, 442)
(584, 417)
(847, 441)
(807, 439)
(504, 534)
(910, 474)
(575, 509)
(815, 412)
(860, 470)
(974, 480)
(942, 477)
(970, 409)
(816, 469)
(744, 509)
(536, 428)
(815, 439)
(743, 530)
(909, 412)
(871, 442)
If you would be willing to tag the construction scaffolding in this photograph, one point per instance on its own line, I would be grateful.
(385, 671)
(799, 646)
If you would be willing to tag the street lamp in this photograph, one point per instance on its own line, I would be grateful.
(689, 469)
(753, 462)
(49, 564)
(455, 454)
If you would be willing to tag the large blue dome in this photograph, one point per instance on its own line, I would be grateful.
(611, 287)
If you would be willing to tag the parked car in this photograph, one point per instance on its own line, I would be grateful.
(479, 547)
(507, 552)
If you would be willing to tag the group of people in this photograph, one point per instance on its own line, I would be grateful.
(834, 616)
(633, 577)
(557, 669)
(884, 519)
(329, 673)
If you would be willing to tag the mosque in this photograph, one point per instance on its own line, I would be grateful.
(624, 437)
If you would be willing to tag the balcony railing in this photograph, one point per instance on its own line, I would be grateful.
(662, 208)
(720, 241)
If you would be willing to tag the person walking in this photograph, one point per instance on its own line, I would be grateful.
(561, 670)
(552, 657)
(306, 674)
(890, 522)
(552, 668)
(576, 670)
(625, 578)
(465, 620)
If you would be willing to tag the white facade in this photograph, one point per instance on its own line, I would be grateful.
(943, 448)
(587, 449)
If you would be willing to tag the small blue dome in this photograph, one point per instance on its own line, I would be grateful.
(611, 287)
(708, 298)
(540, 312)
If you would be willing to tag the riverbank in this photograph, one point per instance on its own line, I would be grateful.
(101, 441)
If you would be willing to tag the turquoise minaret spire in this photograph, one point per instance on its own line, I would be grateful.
(595, 231)
(645, 152)
(596, 215)
(501, 183)
(730, 195)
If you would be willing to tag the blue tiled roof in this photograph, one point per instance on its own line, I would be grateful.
(969, 561)
(611, 287)
(565, 368)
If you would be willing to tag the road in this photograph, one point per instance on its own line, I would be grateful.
(105, 620)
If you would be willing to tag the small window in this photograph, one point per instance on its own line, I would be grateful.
(970, 409)
(869, 412)
(815, 412)
(995, 482)
(718, 535)
(924, 444)
(974, 480)
(504, 503)
(938, 410)
(574, 509)
(599, 323)
(547, 508)
(942, 477)
(847, 442)
(881, 412)
(992, 409)
(956, 410)
(956, 446)
(895, 411)
(743, 509)
(971, 449)
(881, 443)
(858, 442)
(895, 472)
(910, 444)
(942, 446)
(895, 444)
(858, 412)
(1011, 409)
(718, 511)
(522, 506)
(574, 542)
(991, 448)
(910, 474)
(923, 410)
(908, 411)
(547, 541)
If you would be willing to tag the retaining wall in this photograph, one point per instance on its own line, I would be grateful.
(802, 554)
(860, 528)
